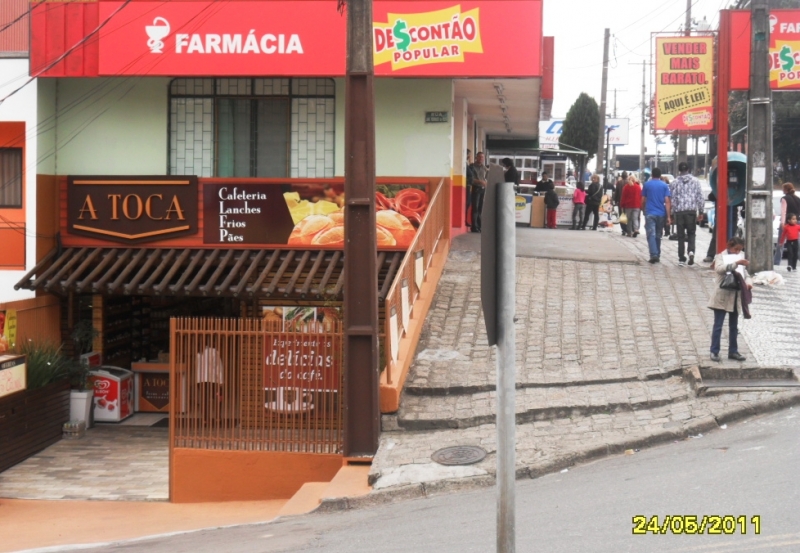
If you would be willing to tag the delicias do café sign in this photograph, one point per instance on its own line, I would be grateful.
(684, 84)
(132, 209)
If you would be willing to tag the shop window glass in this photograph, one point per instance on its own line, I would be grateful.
(252, 127)
(10, 177)
(251, 137)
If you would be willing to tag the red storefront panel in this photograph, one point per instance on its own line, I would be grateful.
(285, 38)
(64, 39)
(215, 38)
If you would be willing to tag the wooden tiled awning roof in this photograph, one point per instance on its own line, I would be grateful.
(299, 274)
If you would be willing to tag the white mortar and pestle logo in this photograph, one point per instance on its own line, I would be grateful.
(157, 31)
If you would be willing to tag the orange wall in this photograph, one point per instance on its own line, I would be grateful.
(47, 217)
(12, 220)
(200, 475)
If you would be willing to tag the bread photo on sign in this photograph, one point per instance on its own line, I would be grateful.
(392, 229)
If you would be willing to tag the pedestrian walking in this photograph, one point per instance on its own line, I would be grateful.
(790, 203)
(668, 228)
(712, 246)
(594, 195)
(688, 204)
(470, 177)
(578, 206)
(789, 236)
(622, 181)
(657, 208)
(478, 190)
(511, 173)
(631, 202)
(727, 301)
(551, 203)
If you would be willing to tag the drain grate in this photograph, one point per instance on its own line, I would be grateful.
(459, 455)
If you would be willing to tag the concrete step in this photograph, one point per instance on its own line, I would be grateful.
(418, 413)
(750, 383)
(350, 481)
(305, 500)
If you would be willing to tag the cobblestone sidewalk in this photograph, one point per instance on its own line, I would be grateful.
(601, 347)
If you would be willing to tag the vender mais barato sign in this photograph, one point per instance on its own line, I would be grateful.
(684, 84)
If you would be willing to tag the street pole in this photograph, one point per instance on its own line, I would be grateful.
(506, 342)
(360, 382)
(687, 31)
(644, 107)
(602, 123)
(759, 144)
(608, 151)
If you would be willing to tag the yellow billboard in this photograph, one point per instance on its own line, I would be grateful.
(684, 91)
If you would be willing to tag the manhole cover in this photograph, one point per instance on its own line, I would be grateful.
(459, 455)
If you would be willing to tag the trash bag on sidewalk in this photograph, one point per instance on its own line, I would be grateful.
(768, 278)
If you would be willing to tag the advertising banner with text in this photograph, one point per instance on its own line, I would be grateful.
(550, 131)
(784, 49)
(684, 98)
(290, 38)
(302, 356)
(304, 215)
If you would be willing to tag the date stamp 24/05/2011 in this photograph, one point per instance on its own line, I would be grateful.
(694, 524)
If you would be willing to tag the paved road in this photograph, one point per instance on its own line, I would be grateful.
(749, 469)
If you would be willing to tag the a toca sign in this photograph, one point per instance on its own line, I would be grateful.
(406, 40)
(132, 209)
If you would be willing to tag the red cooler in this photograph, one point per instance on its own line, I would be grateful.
(113, 393)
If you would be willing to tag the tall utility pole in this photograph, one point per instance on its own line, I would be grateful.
(644, 107)
(687, 30)
(614, 148)
(362, 410)
(759, 144)
(601, 135)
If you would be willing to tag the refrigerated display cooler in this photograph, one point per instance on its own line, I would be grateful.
(113, 393)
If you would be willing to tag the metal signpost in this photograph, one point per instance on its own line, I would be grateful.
(498, 279)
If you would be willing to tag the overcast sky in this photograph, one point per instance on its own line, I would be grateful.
(578, 26)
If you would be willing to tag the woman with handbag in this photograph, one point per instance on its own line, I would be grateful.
(727, 299)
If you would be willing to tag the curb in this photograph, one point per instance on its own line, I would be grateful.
(534, 415)
(441, 391)
(439, 487)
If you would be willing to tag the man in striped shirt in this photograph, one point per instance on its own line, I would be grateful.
(687, 208)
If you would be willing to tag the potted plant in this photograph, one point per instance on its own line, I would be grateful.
(81, 397)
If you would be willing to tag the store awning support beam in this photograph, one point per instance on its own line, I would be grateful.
(360, 374)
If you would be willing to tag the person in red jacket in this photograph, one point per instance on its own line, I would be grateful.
(790, 235)
(631, 202)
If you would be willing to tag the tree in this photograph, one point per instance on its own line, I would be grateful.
(580, 130)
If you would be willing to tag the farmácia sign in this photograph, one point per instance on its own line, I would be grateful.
(407, 40)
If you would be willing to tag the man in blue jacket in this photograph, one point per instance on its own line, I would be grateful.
(656, 207)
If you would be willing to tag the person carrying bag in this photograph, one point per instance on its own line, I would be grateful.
(730, 298)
